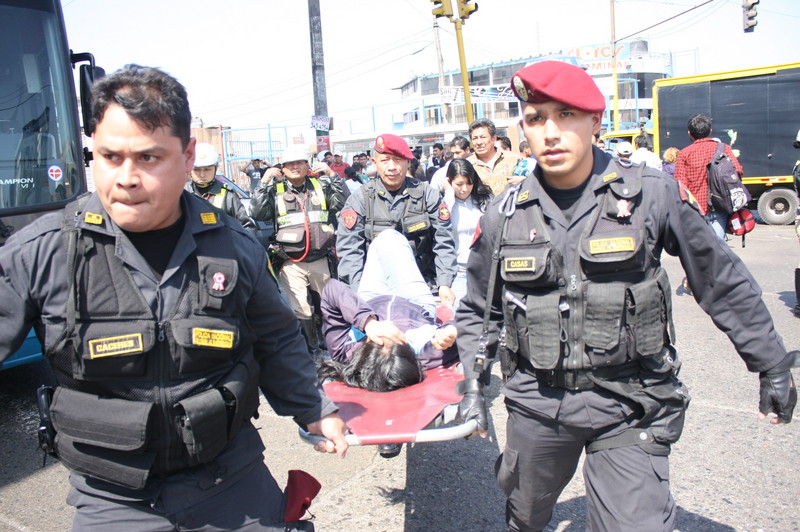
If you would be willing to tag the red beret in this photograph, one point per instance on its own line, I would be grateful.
(393, 145)
(555, 80)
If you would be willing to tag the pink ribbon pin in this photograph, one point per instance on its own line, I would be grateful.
(622, 209)
(219, 281)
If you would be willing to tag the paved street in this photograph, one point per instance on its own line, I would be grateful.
(729, 471)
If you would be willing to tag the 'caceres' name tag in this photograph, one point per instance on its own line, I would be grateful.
(520, 264)
(115, 345)
(212, 338)
(611, 245)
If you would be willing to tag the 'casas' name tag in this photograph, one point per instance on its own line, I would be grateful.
(611, 245)
(116, 345)
(212, 338)
(523, 264)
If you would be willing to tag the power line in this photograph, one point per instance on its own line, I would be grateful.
(663, 21)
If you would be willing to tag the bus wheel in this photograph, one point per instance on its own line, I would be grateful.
(778, 206)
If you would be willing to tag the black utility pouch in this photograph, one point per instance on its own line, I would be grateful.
(239, 389)
(103, 438)
(203, 424)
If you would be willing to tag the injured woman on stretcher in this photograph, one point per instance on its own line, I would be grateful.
(384, 337)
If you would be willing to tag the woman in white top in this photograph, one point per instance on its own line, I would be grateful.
(467, 199)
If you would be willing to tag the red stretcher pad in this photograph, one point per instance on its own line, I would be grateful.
(395, 417)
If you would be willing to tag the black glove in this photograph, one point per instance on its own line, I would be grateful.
(777, 392)
(473, 405)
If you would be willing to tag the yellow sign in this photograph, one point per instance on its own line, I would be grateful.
(208, 218)
(416, 227)
(520, 264)
(609, 177)
(611, 245)
(115, 345)
(212, 338)
(93, 218)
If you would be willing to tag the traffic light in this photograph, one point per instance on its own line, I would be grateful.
(466, 8)
(749, 13)
(442, 8)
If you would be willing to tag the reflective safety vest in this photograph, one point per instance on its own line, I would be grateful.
(302, 217)
(218, 200)
(611, 307)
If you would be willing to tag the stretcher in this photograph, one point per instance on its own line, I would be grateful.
(419, 413)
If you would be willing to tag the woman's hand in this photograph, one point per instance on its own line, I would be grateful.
(444, 337)
(380, 331)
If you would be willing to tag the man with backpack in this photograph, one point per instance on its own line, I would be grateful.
(691, 169)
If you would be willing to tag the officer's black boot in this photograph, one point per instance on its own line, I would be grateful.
(309, 330)
(797, 292)
(389, 450)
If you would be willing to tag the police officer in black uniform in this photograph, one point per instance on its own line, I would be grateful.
(566, 270)
(158, 315)
(204, 183)
(410, 206)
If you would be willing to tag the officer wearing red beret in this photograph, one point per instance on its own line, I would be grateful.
(568, 260)
(402, 203)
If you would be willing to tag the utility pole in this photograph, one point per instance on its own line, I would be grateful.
(443, 8)
(464, 74)
(445, 106)
(318, 72)
(615, 117)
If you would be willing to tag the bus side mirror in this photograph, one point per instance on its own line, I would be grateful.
(88, 74)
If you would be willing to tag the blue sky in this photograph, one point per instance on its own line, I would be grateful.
(246, 63)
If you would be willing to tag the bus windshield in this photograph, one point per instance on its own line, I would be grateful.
(40, 157)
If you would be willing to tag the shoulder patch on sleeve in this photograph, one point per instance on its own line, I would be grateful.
(444, 212)
(689, 198)
(349, 218)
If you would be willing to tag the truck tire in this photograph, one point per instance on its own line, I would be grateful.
(778, 206)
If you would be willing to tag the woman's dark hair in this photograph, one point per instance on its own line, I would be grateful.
(481, 193)
(151, 97)
(351, 173)
(413, 165)
(376, 368)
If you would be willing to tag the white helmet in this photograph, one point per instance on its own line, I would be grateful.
(205, 155)
(294, 155)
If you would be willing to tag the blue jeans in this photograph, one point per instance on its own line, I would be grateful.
(718, 222)
(390, 269)
(459, 286)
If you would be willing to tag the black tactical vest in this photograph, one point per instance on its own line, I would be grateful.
(414, 223)
(610, 307)
(140, 398)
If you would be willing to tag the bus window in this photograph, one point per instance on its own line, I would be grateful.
(40, 153)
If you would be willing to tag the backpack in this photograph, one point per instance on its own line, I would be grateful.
(741, 222)
(726, 193)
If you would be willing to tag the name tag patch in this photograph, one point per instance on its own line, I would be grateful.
(115, 345)
(416, 227)
(520, 264)
(208, 218)
(93, 218)
(611, 245)
(212, 338)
